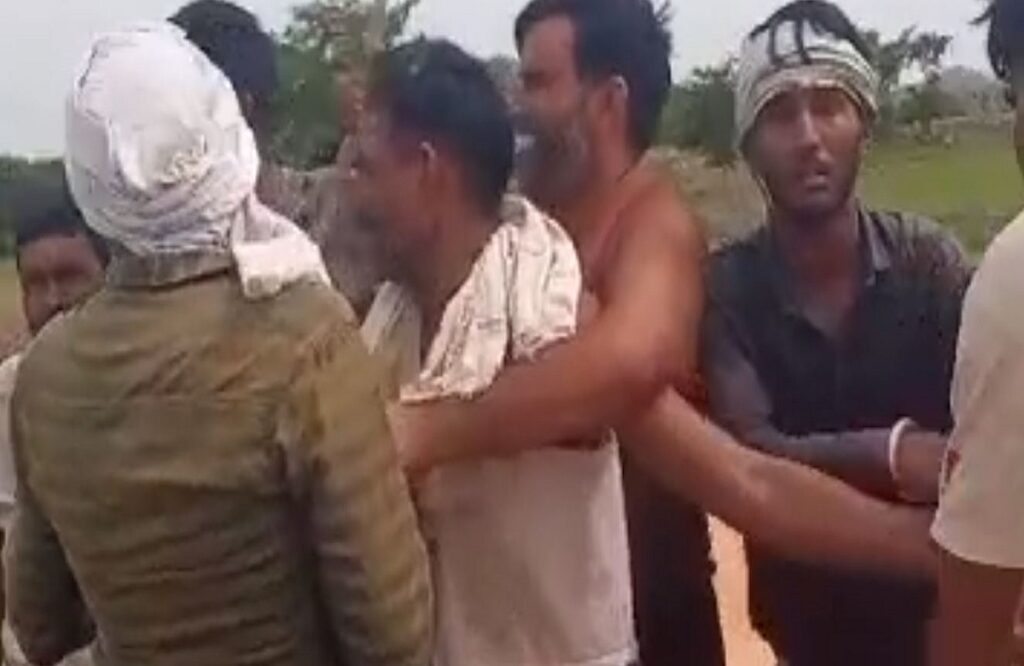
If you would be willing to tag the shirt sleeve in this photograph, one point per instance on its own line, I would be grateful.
(979, 517)
(740, 403)
(371, 562)
(44, 604)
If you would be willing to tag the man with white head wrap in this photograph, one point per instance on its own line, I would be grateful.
(832, 330)
(205, 471)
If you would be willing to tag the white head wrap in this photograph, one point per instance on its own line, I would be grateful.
(161, 160)
(771, 63)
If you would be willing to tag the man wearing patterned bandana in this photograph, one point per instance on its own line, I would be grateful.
(832, 330)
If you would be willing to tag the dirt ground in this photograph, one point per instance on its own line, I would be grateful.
(742, 644)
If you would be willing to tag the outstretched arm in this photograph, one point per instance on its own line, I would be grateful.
(786, 507)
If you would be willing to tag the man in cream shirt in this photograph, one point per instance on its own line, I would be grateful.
(980, 524)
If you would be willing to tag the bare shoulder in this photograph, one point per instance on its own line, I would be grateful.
(656, 217)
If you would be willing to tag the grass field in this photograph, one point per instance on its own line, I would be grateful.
(972, 186)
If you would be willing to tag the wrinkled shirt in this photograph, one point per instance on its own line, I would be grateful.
(782, 385)
(211, 481)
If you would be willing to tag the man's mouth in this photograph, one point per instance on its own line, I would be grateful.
(815, 179)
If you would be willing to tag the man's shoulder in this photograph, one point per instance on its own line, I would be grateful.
(736, 265)
(912, 235)
(307, 309)
(1001, 271)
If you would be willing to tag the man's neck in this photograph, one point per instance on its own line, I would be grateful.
(821, 251)
(447, 265)
(588, 214)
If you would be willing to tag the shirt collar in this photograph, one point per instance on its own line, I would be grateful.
(874, 250)
(165, 270)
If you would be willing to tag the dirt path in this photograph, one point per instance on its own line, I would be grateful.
(743, 646)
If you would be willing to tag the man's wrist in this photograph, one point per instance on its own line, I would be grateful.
(897, 438)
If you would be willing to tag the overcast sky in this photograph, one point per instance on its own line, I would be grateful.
(41, 41)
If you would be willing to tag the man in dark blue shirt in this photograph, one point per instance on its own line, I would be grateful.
(832, 331)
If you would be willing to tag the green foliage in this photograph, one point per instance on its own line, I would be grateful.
(21, 181)
(327, 45)
(700, 114)
(924, 102)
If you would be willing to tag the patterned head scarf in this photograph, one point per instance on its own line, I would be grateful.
(797, 54)
(161, 161)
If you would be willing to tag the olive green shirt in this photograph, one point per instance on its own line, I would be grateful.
(212, 481)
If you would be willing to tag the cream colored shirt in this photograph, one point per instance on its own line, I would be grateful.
(530, 555)
(980, 518)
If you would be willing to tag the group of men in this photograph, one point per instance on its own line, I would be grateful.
(406, 446)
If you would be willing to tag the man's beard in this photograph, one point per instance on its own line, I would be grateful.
(553, 164)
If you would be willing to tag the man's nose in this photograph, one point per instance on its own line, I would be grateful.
(808, 134)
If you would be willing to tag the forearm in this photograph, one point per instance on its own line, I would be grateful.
(566, 396)
(788, 508)
(858, 457)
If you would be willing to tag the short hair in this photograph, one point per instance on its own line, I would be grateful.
(1005, 19)
(435, 89)
(233, 39)
(820, 16)
(627, 38)
(45, 212)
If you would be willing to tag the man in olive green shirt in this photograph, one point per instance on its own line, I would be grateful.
(206, 477)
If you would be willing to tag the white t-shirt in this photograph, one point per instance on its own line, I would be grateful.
(980, 518)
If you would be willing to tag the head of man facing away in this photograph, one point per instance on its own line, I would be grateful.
(233, 39)
(1005, 21)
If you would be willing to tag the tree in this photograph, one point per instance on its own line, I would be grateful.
(328, 44)
(700, 113)
(893, 59)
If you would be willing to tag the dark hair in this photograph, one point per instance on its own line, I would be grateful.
(233, 39)
(820, 16)
(50, 211)
(627, 38)
(1005, 19)
(435, 89)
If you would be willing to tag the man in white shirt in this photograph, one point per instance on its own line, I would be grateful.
(60, 264)
(980, 524)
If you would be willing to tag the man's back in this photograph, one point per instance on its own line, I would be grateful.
(198, 456)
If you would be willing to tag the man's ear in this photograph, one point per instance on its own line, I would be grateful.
(432, 175)
(615, 99)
